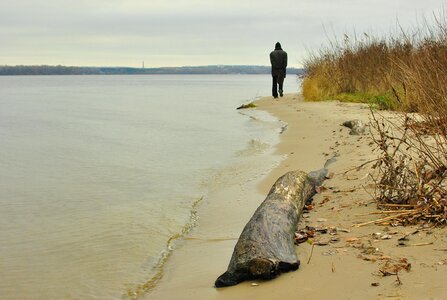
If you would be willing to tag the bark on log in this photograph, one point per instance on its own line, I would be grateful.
(266, 246)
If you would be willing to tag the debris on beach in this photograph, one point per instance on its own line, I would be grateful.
(394, 266)
(352, 239)
(316, 235)
(248, 105)
(411, 172)
(320, 189)
(325, 200)
(304, 235)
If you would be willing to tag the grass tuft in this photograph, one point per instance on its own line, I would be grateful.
(406, 72)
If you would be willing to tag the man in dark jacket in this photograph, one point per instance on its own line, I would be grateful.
(278, 59)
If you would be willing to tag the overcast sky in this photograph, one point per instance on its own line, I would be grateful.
(188, 32)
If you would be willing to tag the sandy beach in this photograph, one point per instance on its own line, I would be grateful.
(347, 265)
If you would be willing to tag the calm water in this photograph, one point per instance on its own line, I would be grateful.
(97, 173)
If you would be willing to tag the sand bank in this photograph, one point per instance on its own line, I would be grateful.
(347, 266)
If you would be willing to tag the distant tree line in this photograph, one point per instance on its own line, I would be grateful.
(46, 70)
(65, 70)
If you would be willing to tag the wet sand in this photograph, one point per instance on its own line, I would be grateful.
(348, 265)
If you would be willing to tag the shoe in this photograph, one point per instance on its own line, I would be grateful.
(280, 93)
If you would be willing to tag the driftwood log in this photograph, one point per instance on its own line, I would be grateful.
(266, 246)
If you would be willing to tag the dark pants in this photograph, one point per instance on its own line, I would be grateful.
(278, 80)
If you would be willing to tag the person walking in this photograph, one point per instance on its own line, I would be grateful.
(278, 60)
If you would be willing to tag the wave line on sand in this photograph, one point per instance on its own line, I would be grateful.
(141, 289)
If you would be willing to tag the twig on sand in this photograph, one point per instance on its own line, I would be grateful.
(311, 252)
(383, 219)
(359, 167)
(396, 205)
(387, 212)
(421, 244)
(398, 282)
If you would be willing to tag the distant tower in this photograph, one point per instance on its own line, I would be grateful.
(143, 64)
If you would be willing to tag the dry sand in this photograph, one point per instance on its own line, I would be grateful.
(343, 269)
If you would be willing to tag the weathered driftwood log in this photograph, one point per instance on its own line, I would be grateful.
(266, 245)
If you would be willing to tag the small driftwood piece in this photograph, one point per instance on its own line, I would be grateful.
(266, 246)
(248, 105)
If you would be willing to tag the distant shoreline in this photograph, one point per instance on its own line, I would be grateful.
(186, 70)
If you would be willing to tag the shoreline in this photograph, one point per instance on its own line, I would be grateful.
(338, 270)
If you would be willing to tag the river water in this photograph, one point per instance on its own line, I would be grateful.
(99, 173)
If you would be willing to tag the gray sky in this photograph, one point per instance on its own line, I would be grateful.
(188, 32)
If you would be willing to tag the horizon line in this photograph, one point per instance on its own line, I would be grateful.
(159, 67)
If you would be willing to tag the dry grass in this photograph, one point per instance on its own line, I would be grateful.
(407, 73)
(411, 169)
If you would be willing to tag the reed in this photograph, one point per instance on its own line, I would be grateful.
(406, 72)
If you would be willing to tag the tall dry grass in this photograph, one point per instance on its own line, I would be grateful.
(408, 73)
(405, 72)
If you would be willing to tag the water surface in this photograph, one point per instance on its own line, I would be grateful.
(98, 172)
